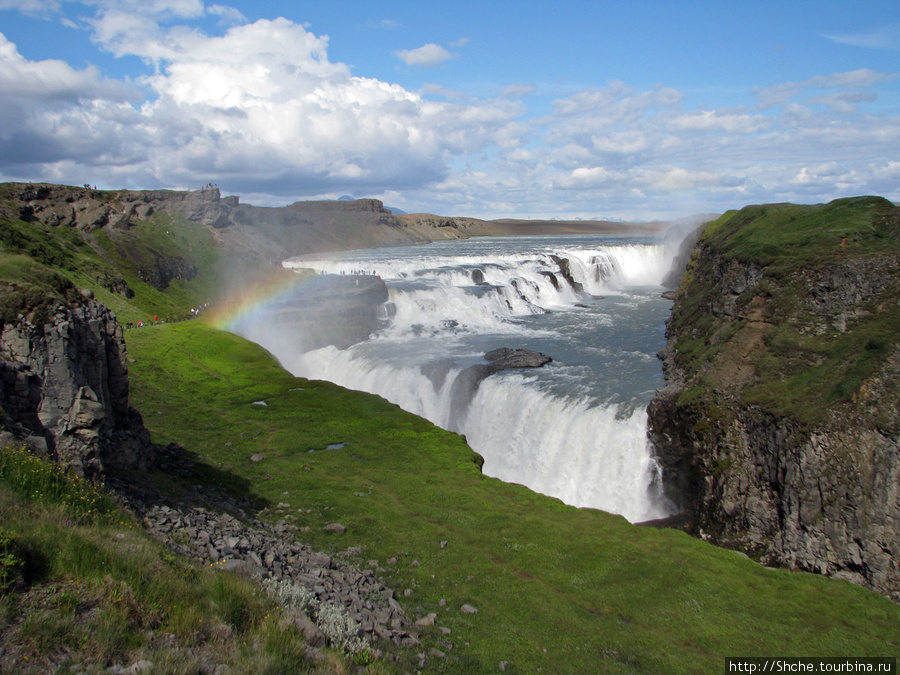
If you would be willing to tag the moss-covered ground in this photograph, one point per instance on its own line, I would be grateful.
(807, 363)
(558, 589)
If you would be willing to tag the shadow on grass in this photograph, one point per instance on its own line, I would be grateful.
(183, 477)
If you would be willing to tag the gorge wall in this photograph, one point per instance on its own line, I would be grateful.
(64, 389)
(778, 428)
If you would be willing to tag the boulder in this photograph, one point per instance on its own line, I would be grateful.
(466, 383)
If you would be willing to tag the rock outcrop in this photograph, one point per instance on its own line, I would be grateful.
(88, 209)
(64, 390)
(466, 383)
(778, 430)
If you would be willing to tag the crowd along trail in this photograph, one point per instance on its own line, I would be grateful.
(575, 428)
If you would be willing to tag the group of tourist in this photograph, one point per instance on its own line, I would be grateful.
(195, 312)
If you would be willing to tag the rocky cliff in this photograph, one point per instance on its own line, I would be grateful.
(64, 389)
(778, 430)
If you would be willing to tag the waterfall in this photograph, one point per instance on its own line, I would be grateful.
(574, 429)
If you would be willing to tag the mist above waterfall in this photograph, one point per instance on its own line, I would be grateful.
(575, 428)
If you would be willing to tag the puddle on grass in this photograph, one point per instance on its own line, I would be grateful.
(333, 446)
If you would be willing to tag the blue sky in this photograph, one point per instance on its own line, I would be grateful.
(638, 110)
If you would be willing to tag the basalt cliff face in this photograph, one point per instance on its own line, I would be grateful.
(778, 428)
(64, 390)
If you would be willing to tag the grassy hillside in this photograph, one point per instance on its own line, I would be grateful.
(41, 263)
(556, 588)
(82, 588)
(823, 317)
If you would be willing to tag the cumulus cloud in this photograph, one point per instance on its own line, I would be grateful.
(261, 104)
(583, 177)
(36, 121)
(426, 55)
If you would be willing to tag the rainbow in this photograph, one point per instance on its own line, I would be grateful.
(257, 296)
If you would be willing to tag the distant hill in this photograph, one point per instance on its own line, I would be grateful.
(166, 251)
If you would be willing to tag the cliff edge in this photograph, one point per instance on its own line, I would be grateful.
(64, 389)
(778, 428)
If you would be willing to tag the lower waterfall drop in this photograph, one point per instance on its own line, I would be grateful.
(574, 429)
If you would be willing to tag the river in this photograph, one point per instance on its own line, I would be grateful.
(575, 428)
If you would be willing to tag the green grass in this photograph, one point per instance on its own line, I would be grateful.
(784, 237)
(557, 588)
(81, 584)
(807, 366)
(52, 263)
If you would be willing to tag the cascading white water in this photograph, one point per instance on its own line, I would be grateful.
(574, 429)
(583, 454)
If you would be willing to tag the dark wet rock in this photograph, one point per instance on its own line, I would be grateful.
(466, 383)
(504, 357)
(566, 273)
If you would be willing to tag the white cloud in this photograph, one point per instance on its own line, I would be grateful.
(583, 178)
(49, 83)
(261, 104)
(228, 15)
(626, 142)
(679, 179)
(844, 103)
(426, 55)
(883, 37)
(781, 94)
(716, 121)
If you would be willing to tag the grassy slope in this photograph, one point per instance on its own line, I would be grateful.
(34, 257)
(82, 586)
(557, 588)
(802, 371)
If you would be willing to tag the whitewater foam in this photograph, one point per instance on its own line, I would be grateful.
(575, 429)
